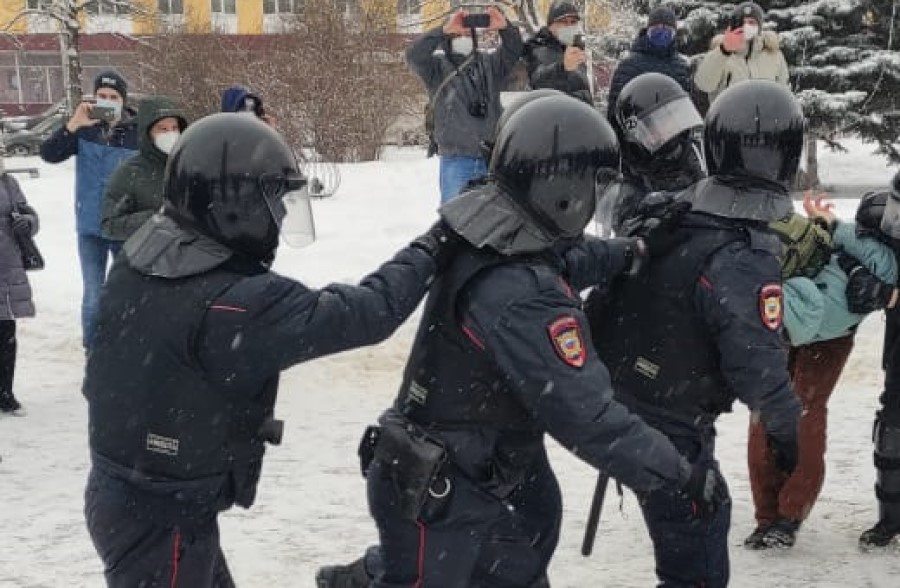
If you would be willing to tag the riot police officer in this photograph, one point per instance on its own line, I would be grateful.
(459, 482)
(701, 325)
(866, 293)
(657, 125)
(193, 331)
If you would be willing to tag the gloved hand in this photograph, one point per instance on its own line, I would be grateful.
(21, 225)
(660, 232)
(440, 242)
(865, 291)
(706, 489)
(786, 453)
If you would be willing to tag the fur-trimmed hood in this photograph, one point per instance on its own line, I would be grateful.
(768, 40)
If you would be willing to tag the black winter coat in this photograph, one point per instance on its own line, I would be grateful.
(544, 62)
(645, 58)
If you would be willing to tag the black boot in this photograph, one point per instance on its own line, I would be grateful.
(782, 534)
(881, 535)
(755, 540)
(8, 402)
(352, 575)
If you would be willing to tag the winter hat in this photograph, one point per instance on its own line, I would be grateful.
(240, 99)
(663, 15)
(749, 10)
(561, 8)
(111, 79)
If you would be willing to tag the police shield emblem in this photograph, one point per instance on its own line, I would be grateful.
(565, 335)
(771, 307)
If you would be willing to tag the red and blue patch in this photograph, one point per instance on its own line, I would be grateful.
(565, 335)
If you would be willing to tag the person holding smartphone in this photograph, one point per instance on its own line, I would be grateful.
(555, 57)
(743, 52)
(100, 134)
(463, 87)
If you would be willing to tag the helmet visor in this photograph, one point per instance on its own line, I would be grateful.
(890, 222)
(662, 124)
(289, 203)
(607, 192)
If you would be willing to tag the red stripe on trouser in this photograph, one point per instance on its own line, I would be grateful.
(176, 546)
(421, 559)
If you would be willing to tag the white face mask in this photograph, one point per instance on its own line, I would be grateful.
(462, 45)
(566, 35)
(166, 141)
(750, 31)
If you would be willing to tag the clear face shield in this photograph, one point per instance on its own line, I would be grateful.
(890, 222)
(288, 200)
(662, 124)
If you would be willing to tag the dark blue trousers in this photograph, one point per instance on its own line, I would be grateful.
(139, 550)
(470, 539)
(690, 550)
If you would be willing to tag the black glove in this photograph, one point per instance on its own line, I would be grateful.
(660, 232)
(440, 242)
(785, 452)
(706, 489)
(21, 225)
(865, 291)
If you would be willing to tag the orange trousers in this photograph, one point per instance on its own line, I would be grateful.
(815, 369)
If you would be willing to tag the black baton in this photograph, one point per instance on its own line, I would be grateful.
(590, 530)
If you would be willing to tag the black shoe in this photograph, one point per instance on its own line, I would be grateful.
(782, 534)
(9, 405)
(755, 540)
(352, 575)
(881, 535)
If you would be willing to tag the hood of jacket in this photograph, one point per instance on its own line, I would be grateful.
(765, 41)
(151, 110)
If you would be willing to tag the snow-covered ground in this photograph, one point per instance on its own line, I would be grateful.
(311, 507)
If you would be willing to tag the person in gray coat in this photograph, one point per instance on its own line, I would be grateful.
(16, 217)
(463, 86)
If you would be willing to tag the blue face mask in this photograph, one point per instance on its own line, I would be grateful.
(660, 36)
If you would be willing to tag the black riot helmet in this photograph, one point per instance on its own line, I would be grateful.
(755, 129)
(233, 178)
(651, 111)
(487, 147)
(547, 158)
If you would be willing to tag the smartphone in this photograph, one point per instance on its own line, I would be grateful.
(102, 113)
(578, 41)
(477, 21)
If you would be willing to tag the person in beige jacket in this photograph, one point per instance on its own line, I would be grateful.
(742, 52)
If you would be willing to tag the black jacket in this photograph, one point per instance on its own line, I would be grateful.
(645, 58)
(544, 62)
(225, 335)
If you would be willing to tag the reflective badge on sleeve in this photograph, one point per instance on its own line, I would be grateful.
(565, 334)
(771, 307)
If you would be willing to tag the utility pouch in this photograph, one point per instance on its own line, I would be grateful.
(414, 461)
(366, 450)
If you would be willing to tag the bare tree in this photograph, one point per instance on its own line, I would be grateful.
(66, 15)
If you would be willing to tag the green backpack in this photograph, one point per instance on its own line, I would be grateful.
(806, 246)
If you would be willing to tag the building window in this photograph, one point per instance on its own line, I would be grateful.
(283, 6)
(223, 6)
(108, 8)
(408, 7)
(170, 6)
(39, 4)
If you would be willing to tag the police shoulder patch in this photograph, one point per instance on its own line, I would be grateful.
(771, 306)
(565, 335)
